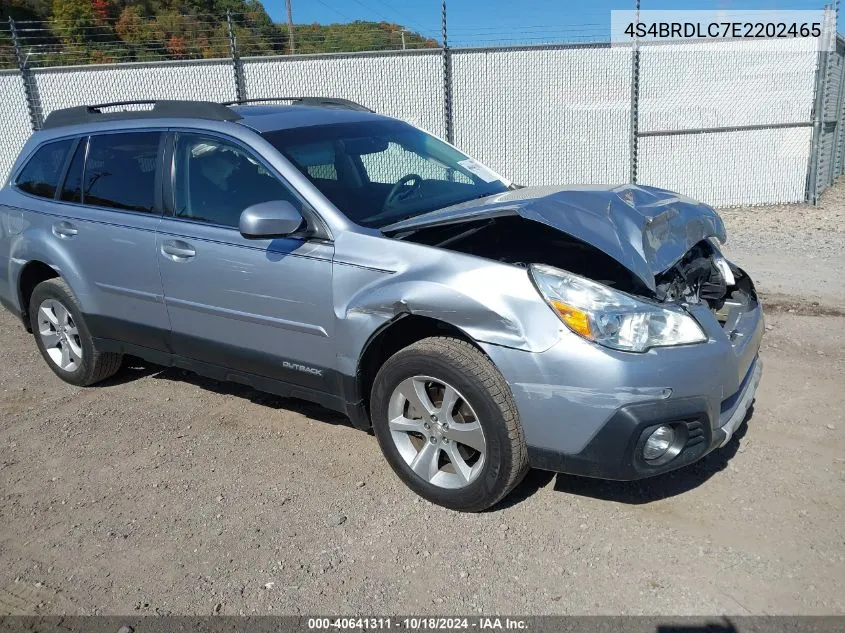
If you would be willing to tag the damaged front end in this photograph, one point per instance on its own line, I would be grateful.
(704, 277)
(651, 254)
(648, 327)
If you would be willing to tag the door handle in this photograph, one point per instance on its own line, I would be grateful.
(64, 230)
(177, 250)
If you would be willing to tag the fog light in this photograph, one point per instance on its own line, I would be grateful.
(658, 443)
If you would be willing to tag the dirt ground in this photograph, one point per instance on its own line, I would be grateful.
(162, 492)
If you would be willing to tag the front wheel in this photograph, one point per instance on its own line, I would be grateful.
(446, 422)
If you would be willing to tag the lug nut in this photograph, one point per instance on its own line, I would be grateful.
(434, 418)
(433, 440)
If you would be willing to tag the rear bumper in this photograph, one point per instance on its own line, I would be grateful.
(615, 451)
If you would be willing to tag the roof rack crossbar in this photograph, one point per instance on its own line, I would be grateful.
(335, 102)
(161, 108)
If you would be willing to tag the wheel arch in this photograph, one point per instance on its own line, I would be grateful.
(31, 274)
(396, 334)
(36, 256)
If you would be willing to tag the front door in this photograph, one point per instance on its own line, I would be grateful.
(259, 306)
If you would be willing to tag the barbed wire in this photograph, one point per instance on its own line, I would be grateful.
(176, 37)
(170, 36)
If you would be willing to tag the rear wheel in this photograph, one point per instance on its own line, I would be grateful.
(447, 424)
(63, 337)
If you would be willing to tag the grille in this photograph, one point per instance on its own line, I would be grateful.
(695, 434)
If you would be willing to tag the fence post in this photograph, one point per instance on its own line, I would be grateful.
(33, 101)
(838, 129)
(447, 82)
(633, 133)
(812, 193)
(237, 68)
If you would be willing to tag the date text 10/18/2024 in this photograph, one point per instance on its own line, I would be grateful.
(418, 623)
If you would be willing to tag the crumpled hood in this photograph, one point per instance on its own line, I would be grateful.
(646, 229)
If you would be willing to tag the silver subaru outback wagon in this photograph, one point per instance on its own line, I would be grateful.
(318, 250)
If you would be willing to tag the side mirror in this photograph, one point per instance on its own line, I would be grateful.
(274, 218)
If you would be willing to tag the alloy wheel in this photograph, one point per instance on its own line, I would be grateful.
(59, 334)
(437, 432)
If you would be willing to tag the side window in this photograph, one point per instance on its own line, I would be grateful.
(120, 171)
(72, 187)
(396, 161)
(216, 180)
(40, 176)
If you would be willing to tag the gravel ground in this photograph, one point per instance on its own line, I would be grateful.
(793, 250)
(162, 492)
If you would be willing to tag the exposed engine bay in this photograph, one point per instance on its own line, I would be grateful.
(702, 275)
(515, 240)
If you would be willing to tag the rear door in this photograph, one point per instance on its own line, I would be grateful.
(259, 306)
(107, 211)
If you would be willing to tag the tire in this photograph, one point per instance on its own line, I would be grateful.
(479, 397)
(62, 336)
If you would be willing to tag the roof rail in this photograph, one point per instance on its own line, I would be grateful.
(161, 108)
(330, 102)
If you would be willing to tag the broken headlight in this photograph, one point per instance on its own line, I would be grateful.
(612, 318)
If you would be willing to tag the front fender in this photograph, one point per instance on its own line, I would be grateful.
(377, 279)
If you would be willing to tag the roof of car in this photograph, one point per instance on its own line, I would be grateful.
(261, 117)
(266, 118)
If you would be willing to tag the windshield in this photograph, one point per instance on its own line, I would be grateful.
(382, 171)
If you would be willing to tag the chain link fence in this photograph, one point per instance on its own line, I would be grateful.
(15, 126)
(545, 115)
(829, 135)
(407, 85)
(731, 124)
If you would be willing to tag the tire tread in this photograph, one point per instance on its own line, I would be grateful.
(102, 364)
(469, 360)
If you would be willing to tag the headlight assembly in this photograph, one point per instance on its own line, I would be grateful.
(612, 318)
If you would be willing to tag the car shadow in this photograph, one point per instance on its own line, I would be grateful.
(628, 492)
(637, 492)
(131, 370)
(135, 368)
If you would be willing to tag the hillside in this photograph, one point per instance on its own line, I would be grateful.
(61, 32)
(356, 36)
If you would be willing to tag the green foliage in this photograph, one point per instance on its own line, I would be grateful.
(7, 53)
(24, 9)
(106, 31)
(356, 36)
(72, 20)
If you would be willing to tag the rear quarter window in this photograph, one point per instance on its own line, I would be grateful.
(40, 176)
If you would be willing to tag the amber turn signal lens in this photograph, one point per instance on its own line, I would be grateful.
(575, 319)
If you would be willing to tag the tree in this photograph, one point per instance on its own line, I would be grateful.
(72, 20)
(101, 9)
(80, 31)
(131, 26)
(177, 47)
(140, 35)
(356, 36)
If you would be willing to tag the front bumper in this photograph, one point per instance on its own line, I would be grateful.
(587, 410)
(616, 450)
